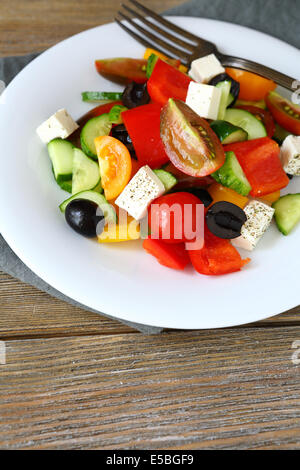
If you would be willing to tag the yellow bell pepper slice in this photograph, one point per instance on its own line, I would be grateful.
(125, 230)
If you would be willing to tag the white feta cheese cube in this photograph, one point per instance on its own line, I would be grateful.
(204, 100)
(143, 188)
(206, 68)
(60, 125)
(290, 155)
(259, 217)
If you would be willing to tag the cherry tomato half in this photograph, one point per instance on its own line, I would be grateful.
(284, 112)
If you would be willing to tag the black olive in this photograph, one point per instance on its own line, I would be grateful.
(225, 220)
(202, 194)
(135, 94)
(290, 177)
(235, 86)
(85, 217)
(120, 132)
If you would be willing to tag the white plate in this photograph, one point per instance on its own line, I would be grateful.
(123, 280)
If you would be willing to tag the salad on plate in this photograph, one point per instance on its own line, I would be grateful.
(192, 162)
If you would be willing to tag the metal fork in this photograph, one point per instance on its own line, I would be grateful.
(190, 47)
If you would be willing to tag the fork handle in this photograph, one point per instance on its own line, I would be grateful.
(244, 64)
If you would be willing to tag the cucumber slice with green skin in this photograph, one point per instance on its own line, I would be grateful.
(151, 64)
(167, 179)
(95, 127)
(230, 100)
(225, 88)
(100, 96)
(61, 155)
(228, 133)
(67, 186)
(108, 210)
(248, 122)
(115, 114)
(231, 175)
(86, 173)
(287, 212)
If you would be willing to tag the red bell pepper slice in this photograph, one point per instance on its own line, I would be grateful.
(260, 161)
(143, 126)
(217, 257)
(171, 256)
(167, 82)
(123, 70)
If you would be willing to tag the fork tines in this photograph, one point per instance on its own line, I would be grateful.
(157, 32)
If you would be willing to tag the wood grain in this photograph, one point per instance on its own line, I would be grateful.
(34, 25)
(212, 390)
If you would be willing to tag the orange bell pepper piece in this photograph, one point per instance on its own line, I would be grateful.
(220, 193)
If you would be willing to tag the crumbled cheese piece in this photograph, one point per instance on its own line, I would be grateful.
(259, 217)
(60, 125)
(290, 155)
(204, 100)
(206, 68)
(144, 187)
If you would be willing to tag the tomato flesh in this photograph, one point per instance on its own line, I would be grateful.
(123, 70)
(115, 165)
(189, 141)
(176, 218)
(260, 161)
(143, 126)
(284, 112)
(217, 257)
(171, 256)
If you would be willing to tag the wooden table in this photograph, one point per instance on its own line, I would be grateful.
(76, 380)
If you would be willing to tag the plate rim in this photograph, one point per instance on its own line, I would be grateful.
(39, 272)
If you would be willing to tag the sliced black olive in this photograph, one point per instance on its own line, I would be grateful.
(290, 177)
(202, 194)
(135, 94)
(85, 217)
(235, 86)
(120, 132)
(225, 220)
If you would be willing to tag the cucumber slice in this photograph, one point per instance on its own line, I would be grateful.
(108, 210)
(228, 133)
(115, 114)
(95, 127)
(67, 186)
(287, 212)
(230, 100)
(168, 180)
(86, 173)
(61, 155)
(151, 64)
(225, 88)
(231, 175)
(248, 122)
(100, 96)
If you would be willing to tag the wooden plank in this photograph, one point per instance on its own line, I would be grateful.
(27, 26)
(26, 312)
(212, 389)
